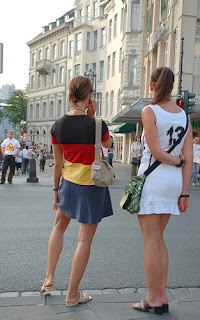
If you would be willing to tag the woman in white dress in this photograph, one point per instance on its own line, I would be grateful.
(165, 190)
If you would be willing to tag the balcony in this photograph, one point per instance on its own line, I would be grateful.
(43, 65)
(81, 21)
(77, 57)
(103, 3)
(155, 37)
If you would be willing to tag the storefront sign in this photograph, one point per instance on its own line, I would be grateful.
(195, 124)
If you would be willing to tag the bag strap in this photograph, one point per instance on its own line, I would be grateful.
(176, 142)
(98, 127)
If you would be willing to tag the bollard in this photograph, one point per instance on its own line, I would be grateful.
(32, 172)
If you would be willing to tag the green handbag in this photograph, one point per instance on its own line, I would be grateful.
(133, 190)
(131, 198)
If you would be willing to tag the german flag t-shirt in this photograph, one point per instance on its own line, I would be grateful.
(76, 136)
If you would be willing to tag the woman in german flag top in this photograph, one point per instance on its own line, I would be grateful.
(76, 197)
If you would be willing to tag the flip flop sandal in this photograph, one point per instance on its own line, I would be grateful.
(84, 297)
(46, 290)
(147, 307)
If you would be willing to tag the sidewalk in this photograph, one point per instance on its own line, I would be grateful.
(108, 304)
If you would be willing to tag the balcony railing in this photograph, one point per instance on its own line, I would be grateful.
(155, 37)
(43, 65)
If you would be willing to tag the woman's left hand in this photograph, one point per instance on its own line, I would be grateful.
(183, 204)
(55, 201)
(92, 108)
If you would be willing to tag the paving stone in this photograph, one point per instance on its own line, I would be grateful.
(93, 292)
(25, 312)
(64, 292)
(25, 301)
(55, 293)
(183, 311)
(31, 294)
(110, 291)
(55, 300)
(195, 293)
(107, 298)
(80, 315)
(182, 294)
(65, 309)
(9, 295)
(127, 290)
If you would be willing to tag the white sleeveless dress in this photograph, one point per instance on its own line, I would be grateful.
(163, 186)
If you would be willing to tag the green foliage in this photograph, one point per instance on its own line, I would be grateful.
(1, 115)
(16, 107)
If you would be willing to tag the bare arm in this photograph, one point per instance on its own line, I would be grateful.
(107, 144)
(57, 171)
(3, 151)
(187, 170)
(16, 154)
(149, 124)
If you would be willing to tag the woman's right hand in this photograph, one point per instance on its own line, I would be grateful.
(92, 108)
(183, 204)
(55, 201)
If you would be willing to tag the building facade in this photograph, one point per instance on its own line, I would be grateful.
(103, 37)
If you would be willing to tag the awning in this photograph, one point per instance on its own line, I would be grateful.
(125, 127)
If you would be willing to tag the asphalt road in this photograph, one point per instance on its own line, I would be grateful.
(116, 257)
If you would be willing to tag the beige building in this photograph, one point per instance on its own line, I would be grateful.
(101, 37)
(165, 23)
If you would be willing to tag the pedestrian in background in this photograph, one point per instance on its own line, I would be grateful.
(111, 152)
(10, 148)
(196, 162)
(105, 153)
(165, 190)
(73, 137)
(25, 159)
(18, 161)
(136, 151)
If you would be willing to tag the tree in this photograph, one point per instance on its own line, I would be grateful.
(16, 107)
(1, 115)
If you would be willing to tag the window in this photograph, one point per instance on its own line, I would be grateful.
(31, 112)
(95, 8)
(54, 51)
(61, 75)
(111, 102)
(135, 16)
(33, 59)
(103, 37)
(47, 53)
(120, 58)
(70, 48)
(88, 41)
(98, 98)
(122, 74)
(166, 53)
(95, 40)
(122, 19)
(46, 80)
(113, 63)
(37, 111)
(87, 13)
(44, 110)
(106, 103)
(110, 30)
(53, 77)
(86, 67)
(94, 68)
(51, 109)
(80, 13)
(32, 83)
(108, 67)
(115, 26)
(78, 41)
(196, 78)
(59, 107)
(101, 70)
(69, 75)
(40, 55)
(62, 48)
(118, 101)
(39, 80)
(175, 47)
(77, 70)
(133, 70)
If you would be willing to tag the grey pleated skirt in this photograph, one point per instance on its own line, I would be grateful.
(86, 204)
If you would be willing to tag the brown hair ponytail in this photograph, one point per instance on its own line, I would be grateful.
(162, 79)
(79, 89)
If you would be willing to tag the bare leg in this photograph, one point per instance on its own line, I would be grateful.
(80, 259)
(150, 225)
(55, 245)
(164, 254)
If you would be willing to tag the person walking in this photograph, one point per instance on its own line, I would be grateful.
(165, 190)
(25, 159)
(10, 148)
(18, 161)
(136, 150)
(196, 162)
(111, 152)
(73, 137)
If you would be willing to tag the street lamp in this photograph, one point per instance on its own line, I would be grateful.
(92, 75)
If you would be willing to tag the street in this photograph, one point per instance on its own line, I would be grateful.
(116, 257)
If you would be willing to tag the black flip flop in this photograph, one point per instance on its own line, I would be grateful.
(147, 307)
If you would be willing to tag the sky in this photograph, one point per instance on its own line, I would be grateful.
(20, 22)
